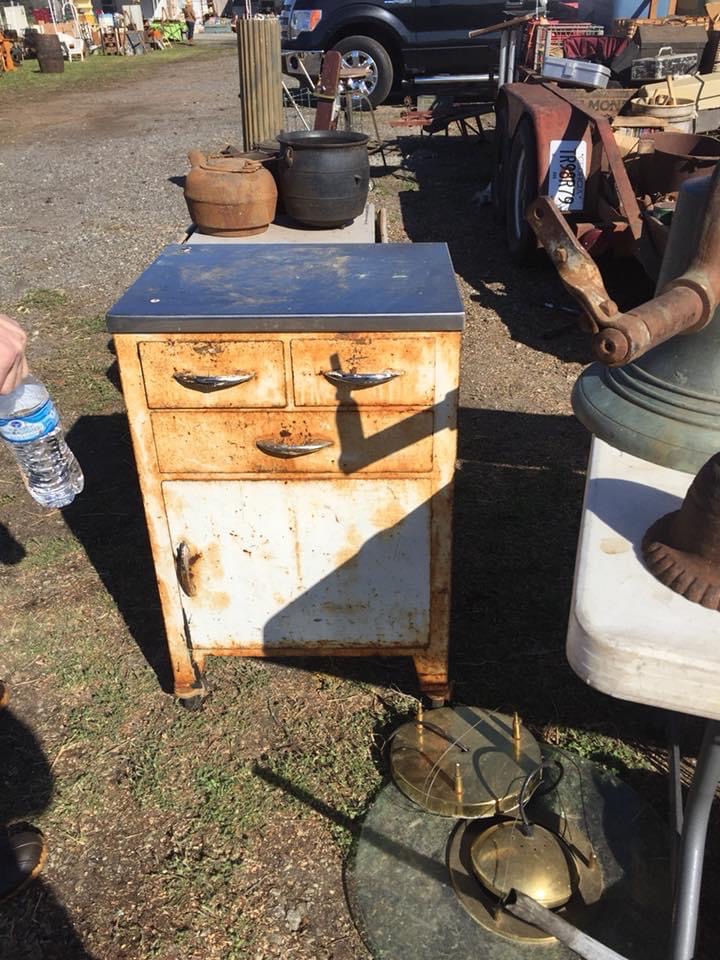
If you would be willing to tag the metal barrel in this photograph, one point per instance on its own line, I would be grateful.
(260, 79)
(49, 53)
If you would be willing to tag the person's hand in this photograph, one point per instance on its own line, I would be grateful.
(13, 365)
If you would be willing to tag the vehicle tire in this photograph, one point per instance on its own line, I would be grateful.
(521, 189)
(364, 51)
(502, 155)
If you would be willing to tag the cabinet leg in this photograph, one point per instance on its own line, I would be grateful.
(189, 686)
(433, 679)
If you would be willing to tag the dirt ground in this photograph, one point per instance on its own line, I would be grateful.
(224, 835)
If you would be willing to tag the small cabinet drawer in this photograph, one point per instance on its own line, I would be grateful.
(344, 442)
(367, 370)
(213, 373)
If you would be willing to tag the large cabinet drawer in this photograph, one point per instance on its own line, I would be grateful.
(291, 442)
(213, 373)
(305, 564)
(367, 370)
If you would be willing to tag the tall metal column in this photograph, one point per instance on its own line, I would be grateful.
(260, 79)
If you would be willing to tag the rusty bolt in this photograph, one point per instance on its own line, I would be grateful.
(611, 347)
(608, 308)
(561, 255)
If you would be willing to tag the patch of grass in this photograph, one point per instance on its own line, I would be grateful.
(614, 755)
(335, 775)
(96, 69)
(43, 299)
(50, 551)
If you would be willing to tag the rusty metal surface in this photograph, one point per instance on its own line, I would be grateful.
(408, 513)
(624, 188)
(682, 549)
(578, 271)
(686, 304)
(229, 196)
(552, 119)
(327, 89)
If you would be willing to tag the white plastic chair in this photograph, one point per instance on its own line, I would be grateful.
(72, 47)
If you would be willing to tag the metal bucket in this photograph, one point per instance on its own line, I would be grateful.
(324, 176)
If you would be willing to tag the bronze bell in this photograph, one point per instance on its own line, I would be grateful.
(665, 406)
(682, 549)
(655, 392)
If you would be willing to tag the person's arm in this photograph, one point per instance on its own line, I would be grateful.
(13, 365)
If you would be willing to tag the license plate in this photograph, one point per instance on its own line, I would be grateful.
(568, 170)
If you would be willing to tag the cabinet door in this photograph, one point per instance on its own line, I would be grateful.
(310, 564)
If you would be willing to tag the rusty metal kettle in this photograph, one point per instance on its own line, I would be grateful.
(229, 196)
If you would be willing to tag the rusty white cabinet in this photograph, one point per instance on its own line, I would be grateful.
(293, 412)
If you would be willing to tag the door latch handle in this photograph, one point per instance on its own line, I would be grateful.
(184, 562)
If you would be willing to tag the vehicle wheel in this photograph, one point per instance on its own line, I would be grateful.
(521, 189)
(366, 52)
(502, 151)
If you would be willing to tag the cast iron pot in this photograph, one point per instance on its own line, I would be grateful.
(323, 176)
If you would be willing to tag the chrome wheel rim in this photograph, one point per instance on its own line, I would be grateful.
(359, 59)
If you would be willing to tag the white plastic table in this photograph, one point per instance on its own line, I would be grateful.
(633, 638)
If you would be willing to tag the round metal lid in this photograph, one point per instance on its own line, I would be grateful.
(464, 762)
(504, 859)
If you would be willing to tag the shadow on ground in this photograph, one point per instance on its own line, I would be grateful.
(518, 498)
(33, 923)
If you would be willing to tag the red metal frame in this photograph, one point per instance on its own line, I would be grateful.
(555, 116)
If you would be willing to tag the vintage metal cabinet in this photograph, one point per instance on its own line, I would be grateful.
(293, 413)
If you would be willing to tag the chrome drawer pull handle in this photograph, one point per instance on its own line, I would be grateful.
(360, 381)
(207, 383)
(274, 448)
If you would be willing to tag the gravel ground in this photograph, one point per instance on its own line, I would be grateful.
(87, 179)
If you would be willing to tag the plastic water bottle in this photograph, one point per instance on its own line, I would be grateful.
(30, 427)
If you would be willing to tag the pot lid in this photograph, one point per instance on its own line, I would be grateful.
(230, 164)
(536, 864)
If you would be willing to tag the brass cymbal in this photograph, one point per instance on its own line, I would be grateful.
(464, 762)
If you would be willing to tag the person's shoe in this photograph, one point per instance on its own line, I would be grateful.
(4, 695)
(22, 856)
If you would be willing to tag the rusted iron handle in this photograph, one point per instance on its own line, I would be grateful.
(525, 908)
(686, 304)
(630, 335)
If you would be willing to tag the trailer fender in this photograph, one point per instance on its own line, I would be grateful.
(568, 161)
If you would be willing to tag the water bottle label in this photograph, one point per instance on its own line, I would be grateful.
(34, 426)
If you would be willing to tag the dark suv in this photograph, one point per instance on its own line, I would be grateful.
(394, 39)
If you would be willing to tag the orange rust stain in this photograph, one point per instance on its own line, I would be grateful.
(219, 600)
